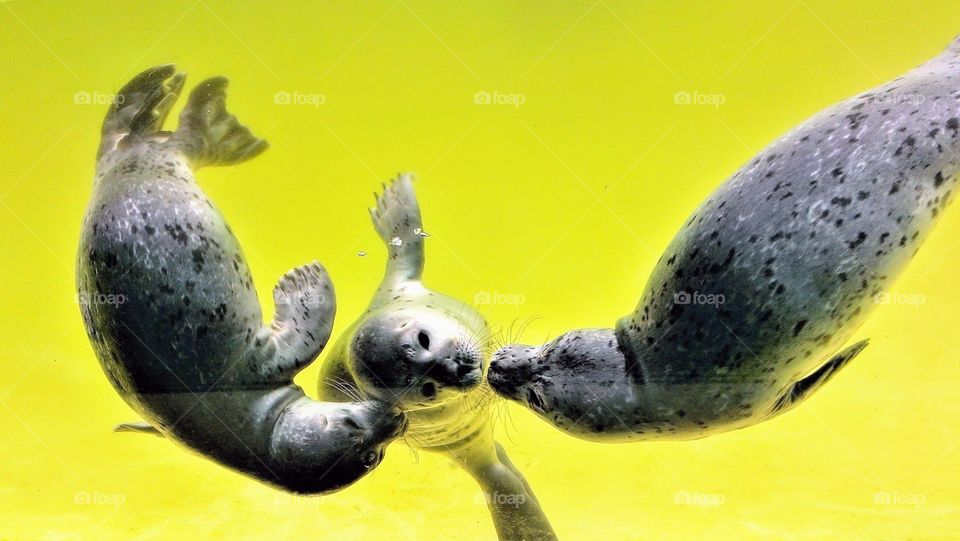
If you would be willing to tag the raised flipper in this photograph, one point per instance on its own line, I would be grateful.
(805, 387)
(397, 220)
(140, 107)
(305, 308)
(139, 427)
(208, 134)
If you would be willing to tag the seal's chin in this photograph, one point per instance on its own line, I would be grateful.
(470, 379)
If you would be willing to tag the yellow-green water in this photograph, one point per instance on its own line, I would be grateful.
(555, 207)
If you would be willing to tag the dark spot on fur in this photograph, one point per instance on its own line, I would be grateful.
(938, 179)
(842, 201)
(197, 260)
(853, 244)
(799, 326)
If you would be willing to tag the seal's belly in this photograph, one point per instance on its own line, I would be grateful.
(776, 270)
(153, 239)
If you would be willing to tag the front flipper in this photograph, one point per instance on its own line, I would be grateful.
(139, 427)
(397, 220)
(305, 308)
(805, 387)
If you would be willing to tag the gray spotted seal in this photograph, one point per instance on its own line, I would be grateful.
(747, 312)
(188, 349)
(425, 352)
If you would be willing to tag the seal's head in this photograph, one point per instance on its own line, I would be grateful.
(321, 447)
(417, 356)
(513, 369)
(549, 379)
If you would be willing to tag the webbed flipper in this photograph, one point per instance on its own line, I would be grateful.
(805, 387)
(397, 220)
(305, 308)
(208, 134)
(140, 107)
(139, 427)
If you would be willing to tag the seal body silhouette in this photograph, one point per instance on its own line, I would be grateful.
(746, 312)
(424, 352)
(188, 349)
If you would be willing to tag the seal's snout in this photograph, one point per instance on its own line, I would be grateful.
(511, 368)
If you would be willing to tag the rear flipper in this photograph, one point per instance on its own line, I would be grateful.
(140, 107)
(514, 508)
(208, 134)
(305, 308)
(805, 387)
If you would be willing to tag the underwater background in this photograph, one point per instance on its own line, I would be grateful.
(558, 147)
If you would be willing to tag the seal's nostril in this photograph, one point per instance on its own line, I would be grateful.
(350, 422)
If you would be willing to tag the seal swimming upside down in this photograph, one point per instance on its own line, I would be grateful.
(424, 352)
(188, 349)
(798, 244)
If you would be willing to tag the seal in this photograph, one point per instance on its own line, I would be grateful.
(187, 348)
(748, 311)
(424, 352)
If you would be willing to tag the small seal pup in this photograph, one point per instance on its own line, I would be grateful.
(745, 314)
(424, 352)
(187, 348)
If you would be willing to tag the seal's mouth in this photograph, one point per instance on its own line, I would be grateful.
(460, 371)
(500, 384)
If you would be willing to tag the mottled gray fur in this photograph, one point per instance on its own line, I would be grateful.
(187, 347)
(744, 314)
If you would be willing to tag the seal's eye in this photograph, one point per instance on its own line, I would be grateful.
(424, 340)
(428, 390)
(370, 459)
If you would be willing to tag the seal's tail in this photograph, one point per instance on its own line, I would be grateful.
(208, 134)
(141, 106)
